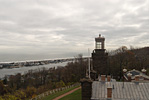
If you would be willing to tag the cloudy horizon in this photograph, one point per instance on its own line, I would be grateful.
(42, 29)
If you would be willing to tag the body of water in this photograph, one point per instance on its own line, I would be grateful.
(22, 70)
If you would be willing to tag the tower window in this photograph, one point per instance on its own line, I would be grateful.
(98, 45)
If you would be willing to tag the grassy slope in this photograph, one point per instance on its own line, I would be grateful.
(73, 96)
(52, 96)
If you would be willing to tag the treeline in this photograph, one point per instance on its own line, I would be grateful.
(34, 82)
(133, 58)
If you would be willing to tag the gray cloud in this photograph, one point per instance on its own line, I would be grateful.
(61, 28)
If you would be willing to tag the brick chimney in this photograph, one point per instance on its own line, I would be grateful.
(103, 77)
(109, 92)
(137, 78)
(108, 78)
(129, 77)
(86, 90)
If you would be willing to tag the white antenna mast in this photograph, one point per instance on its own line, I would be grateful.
(89, 62)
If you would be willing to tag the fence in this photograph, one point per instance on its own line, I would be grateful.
(39, 97)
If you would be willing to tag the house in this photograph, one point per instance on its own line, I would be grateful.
(109, 89)
(130, 75)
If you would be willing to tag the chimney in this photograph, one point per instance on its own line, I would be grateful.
(137, 78)
(129, 77)
(109, 92)
(86, 85)
(108, 78)
(103, 77)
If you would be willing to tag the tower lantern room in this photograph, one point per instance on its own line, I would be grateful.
(99, 42)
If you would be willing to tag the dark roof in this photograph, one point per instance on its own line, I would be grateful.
(131, 90)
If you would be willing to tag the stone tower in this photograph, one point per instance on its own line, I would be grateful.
(99, 56)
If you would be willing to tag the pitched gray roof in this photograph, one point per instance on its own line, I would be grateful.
(131, 90)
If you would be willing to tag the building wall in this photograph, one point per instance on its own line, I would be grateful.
(100, 61)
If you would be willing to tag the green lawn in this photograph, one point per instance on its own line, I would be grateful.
(52, 96)
(73, 96)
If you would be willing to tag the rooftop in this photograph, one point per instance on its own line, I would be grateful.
(128, 91)
(134, 73)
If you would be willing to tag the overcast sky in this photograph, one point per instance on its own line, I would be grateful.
(41, 29)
